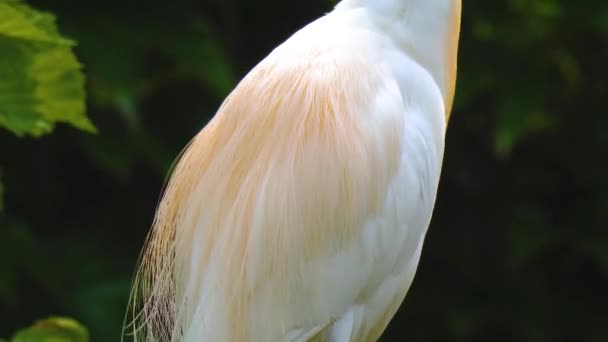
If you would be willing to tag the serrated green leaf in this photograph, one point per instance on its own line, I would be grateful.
(41, 82)
(54, 329)
(22, 22)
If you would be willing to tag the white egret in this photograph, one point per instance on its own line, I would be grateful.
(299, 212)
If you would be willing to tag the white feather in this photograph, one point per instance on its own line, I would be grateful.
(282, 283)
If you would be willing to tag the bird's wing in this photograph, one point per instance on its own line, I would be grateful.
(271, 221)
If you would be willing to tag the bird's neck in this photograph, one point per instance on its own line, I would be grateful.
(427, 30)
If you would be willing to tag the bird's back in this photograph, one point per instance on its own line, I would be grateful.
(299, 212)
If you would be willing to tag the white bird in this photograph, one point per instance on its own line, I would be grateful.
(299, 212)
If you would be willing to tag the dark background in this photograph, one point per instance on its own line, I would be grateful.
(518, 247)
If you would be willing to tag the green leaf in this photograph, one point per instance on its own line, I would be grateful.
(188, 48)
(41, 82)
(21, 22)
(54, 329)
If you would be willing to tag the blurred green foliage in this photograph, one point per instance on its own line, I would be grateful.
(518, 247)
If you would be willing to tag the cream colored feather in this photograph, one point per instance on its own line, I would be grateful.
(299, 212)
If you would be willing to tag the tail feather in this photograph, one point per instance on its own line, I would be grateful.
(152, 309)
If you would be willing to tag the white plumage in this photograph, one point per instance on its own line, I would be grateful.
(300, 211)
